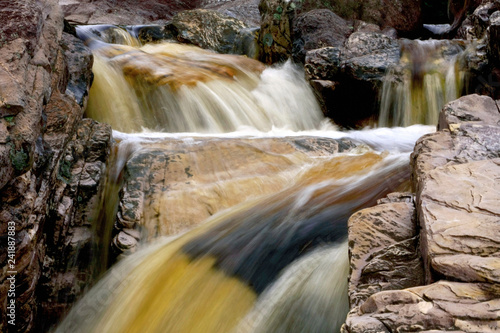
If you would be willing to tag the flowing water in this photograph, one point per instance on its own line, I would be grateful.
(429, 75)
(273, 255)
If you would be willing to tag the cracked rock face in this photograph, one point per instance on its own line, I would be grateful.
(384, 249)
(51, 162)
(456, 172)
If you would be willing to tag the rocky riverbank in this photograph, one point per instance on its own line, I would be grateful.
(430, 261)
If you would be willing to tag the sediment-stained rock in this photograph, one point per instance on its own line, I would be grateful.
(210, 174)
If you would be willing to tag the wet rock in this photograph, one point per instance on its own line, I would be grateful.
(317, 29)
(79, 63)
(358, 67)
(211, 174)
(209, 29)
(369, 55)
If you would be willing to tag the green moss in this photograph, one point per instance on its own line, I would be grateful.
(277, 17)
(64, 173)
(19, 159)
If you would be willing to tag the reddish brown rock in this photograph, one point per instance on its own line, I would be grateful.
(123, 12)
(49, 179)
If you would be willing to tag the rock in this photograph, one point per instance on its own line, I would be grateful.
(358, 67)
(275, 38)
(405, 16)
(317, 29)
(442, 306)
(209, 29)
(47, 178)
(212, 174)
(125, 12)
(324, 63)
(243, 10)
(462, 234)
(368, 56)
(384, 249)
(459, 231)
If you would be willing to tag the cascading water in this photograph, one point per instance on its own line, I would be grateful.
(429, 75)
(274, 258)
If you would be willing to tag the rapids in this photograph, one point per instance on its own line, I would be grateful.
(274, 259)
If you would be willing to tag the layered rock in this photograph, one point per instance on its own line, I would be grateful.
(454, 175)
(49, 180)
(384, 249)
(210, 174)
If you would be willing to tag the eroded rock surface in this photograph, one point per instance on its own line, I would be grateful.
(384, 249)
(455, 174)
(49, 179)
(210, 174)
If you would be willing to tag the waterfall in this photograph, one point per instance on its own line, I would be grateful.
(180, 88)
(428, 76)
(276, 180)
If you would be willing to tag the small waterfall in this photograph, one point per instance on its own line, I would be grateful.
(429, 76)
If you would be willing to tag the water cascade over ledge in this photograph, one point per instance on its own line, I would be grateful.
(429, 75)
(231, 188)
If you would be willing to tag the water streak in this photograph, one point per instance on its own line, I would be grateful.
(429, 75)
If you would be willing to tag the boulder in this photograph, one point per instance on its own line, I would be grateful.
(405, 16)
(358, 67)
(384, 249)
(316, 29)
(212, 30)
